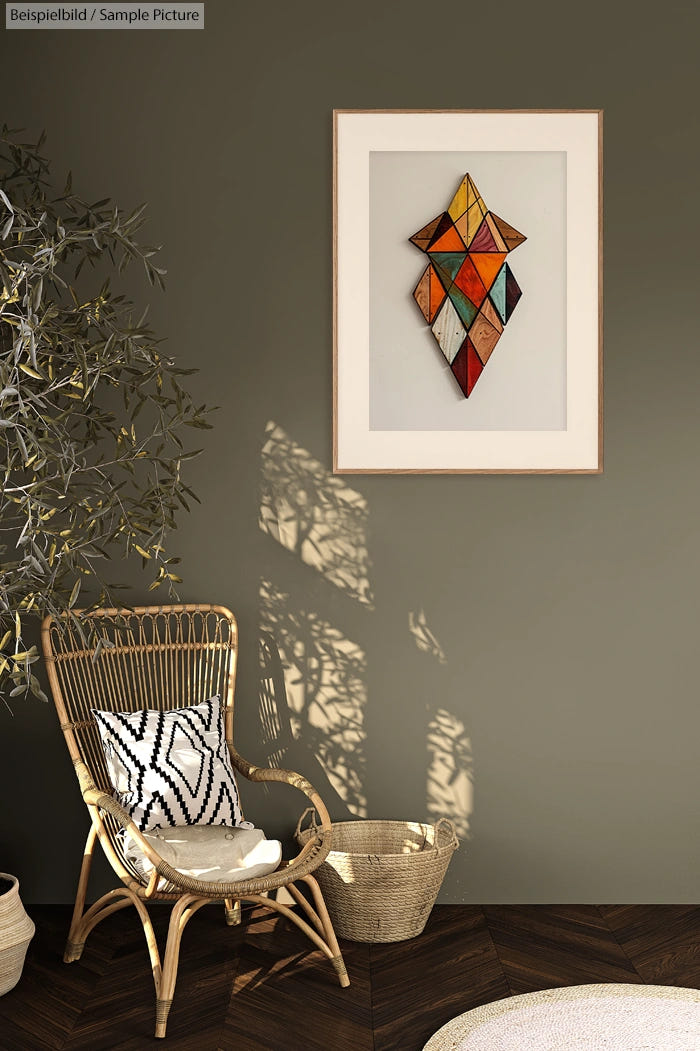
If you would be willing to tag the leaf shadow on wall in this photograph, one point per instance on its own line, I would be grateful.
(327, 647)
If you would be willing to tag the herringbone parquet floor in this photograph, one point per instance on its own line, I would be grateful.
(257, 988)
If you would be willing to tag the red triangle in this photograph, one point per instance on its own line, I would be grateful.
(467, 367)
(459, 367)
(467, 278)
(474, 367)
(483, 240)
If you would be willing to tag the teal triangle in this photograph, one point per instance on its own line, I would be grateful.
(463, 305)
(497, 293)
(450, 262)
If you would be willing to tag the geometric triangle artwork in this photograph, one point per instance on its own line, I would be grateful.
(497, 293)
(447, 265)
(429, 294)
(421, 294)
(487, 265)
(510, 235)
(423, 238)
(483, 240)
(450, 241)
(468, 292)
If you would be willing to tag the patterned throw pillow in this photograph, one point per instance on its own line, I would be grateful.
(171, 768)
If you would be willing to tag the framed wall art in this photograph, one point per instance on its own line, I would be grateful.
(467, 291)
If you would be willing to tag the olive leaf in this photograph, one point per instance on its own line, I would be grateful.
(91, 407)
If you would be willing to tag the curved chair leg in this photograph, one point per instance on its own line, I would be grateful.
(233, 911)
(74, 944)
(310, 912)
(337, 957)
(111, 902)
(183, 911)
(165, 976)
(329, 946)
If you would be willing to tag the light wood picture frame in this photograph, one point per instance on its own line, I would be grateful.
(398, 383)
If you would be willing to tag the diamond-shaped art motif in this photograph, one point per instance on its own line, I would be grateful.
(468, 292)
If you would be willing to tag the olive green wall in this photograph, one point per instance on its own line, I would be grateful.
(566, 607)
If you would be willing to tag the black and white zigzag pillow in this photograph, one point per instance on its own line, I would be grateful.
(171, 768)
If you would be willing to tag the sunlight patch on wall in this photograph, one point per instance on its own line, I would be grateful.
(314, 514)
(423, 636)
(324, 678)
(450, 771)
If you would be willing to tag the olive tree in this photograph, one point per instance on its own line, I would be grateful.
(92, 410)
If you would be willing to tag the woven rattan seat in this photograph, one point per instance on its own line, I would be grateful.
(163, 658)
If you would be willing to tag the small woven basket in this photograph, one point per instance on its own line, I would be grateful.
(381, 878)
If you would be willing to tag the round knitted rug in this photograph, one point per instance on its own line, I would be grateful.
(580, 1018)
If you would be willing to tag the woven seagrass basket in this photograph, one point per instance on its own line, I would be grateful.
(381, 878)
(16, 932)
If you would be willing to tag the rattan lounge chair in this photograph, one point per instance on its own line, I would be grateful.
(163, 658)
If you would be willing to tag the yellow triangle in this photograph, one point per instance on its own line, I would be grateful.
(474, 216)
(472, 192)
(458, 204)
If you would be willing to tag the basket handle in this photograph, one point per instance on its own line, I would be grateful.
(313, 825)
(444, 822)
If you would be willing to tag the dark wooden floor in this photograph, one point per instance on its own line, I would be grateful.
(256, 988)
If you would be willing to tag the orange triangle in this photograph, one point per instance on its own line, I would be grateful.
(510, 235)
(449, 242)
(487, 265)
(437, 294)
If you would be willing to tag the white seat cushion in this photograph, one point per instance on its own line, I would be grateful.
(213, 853)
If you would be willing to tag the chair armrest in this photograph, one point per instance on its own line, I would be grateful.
(95, 798)
(288, 777)
(308, 859)
(313, 853)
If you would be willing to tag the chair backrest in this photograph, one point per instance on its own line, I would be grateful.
(157, 657)
(275, 725)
